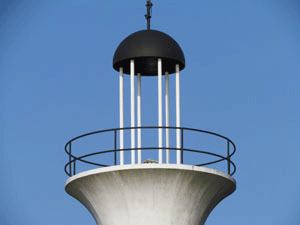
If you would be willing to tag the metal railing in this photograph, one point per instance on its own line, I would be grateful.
(70, 167)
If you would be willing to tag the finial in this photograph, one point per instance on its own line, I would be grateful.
(149, 12)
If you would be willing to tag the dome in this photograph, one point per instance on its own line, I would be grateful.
(145, 47)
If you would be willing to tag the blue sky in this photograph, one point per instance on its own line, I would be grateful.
(241, 80)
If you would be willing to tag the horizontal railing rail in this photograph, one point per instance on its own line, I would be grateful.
(70, 167)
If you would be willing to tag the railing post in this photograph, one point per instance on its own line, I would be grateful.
(74, 167)
(115, 147)
(181, 145)
(70, 158)
(228, 157)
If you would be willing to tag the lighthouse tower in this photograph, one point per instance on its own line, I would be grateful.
(146, 175)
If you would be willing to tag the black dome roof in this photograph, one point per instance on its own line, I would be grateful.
(145, 47)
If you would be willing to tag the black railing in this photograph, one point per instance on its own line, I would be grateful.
(70, 167)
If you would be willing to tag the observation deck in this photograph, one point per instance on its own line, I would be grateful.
(150, 192)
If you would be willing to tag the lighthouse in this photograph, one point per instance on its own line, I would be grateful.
(163, 174)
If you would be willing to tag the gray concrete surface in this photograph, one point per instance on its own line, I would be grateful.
(148, 194)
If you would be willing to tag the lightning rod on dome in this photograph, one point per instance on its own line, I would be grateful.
(149, 13)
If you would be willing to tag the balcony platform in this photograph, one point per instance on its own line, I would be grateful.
(150, 193)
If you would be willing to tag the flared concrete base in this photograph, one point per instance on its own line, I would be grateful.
(150, 194)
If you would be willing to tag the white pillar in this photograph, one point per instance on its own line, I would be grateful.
(132, 103)
(178, 154)
(139, 118)
(160, 145)
(121, 109)
(167, 103)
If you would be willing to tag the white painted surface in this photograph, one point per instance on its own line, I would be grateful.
(178, 143)
(160, 140)
(139, 118)
(132, 107)
(148, 194)
(121, 109)
(167, 105)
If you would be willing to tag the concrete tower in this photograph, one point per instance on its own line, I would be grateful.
(182, 186)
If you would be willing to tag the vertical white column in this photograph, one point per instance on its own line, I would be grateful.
(160, 145)
(167, 103)
(139, 118)
(121, 109)
(178, 155)
(132, 104)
